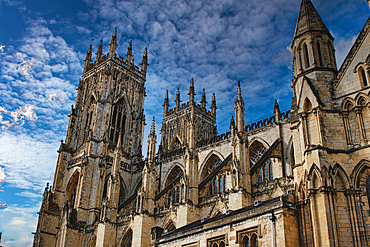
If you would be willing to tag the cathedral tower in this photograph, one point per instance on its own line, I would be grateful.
(101, 155)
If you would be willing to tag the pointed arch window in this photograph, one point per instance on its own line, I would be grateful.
(362, 75)
(306, 56)
(319, 51)
(127, 240)
(118, 121)
(257, 153)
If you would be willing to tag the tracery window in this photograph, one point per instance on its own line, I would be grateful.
(248, 239)
(218, 185)
(266, 172)
(217, 242)
(118, 121)
(170, 227)
(127, 241)
(174, 195)
(257, 153)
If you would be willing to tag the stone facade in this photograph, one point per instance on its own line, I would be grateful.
(298, 178)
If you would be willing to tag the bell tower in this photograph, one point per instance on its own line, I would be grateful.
(101, 152)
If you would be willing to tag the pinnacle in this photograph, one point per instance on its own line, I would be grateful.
(239, 94)
(309, 19)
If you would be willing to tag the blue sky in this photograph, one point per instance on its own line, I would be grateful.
(43, 45)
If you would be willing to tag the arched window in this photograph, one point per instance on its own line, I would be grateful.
(319, 51)
(176, 145)
(362, 75)
(72, 189)
(175, 173)
(246, 241)
(254, 240)
(210, 165)
(257, 152)
(127, 240)
(306, 56)
(170, 227)
(307, 105)
(271, 177)
(118, 121)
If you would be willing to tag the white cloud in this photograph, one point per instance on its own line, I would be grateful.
(28, 163)
(17, 221)
(342, 47)
(2, 48)
(17, 117)
(2, 175)
(24, 66)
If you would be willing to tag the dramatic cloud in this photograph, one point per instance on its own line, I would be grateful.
(24, 66)
(17, 117)
(27, 162)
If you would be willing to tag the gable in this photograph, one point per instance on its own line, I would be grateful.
(348, 78)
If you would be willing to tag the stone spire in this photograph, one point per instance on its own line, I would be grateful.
(129, 55)
(277, 113)
(239, 93)
(166, 105)
(177, 101)
(239, 110)
(99, 52)
(213, 105)
(191, 92)
(152, 140)
(144, 62)
(368, 1)
(88, 58)
(113, 44)
(203, 102)
(309, 20)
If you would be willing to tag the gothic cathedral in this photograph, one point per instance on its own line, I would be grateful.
(299, 178)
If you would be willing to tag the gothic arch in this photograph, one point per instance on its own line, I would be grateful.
(360, 64)
(126, 240)
(210, 163)
(256, 140)
(137, 185)
(122, 186)
(175, 170)
(212, 152)
(169, 225)
(361, 169)
(367, 60)
(314, 177)
(346, 103)
(360, 97)
(73, 187)
(340, 177)
(257, 144)
(175, 144)
(307, 105)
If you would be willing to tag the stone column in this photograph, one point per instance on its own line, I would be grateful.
(360, 121)
(346, 126)
(317, 115)
(305, 129)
